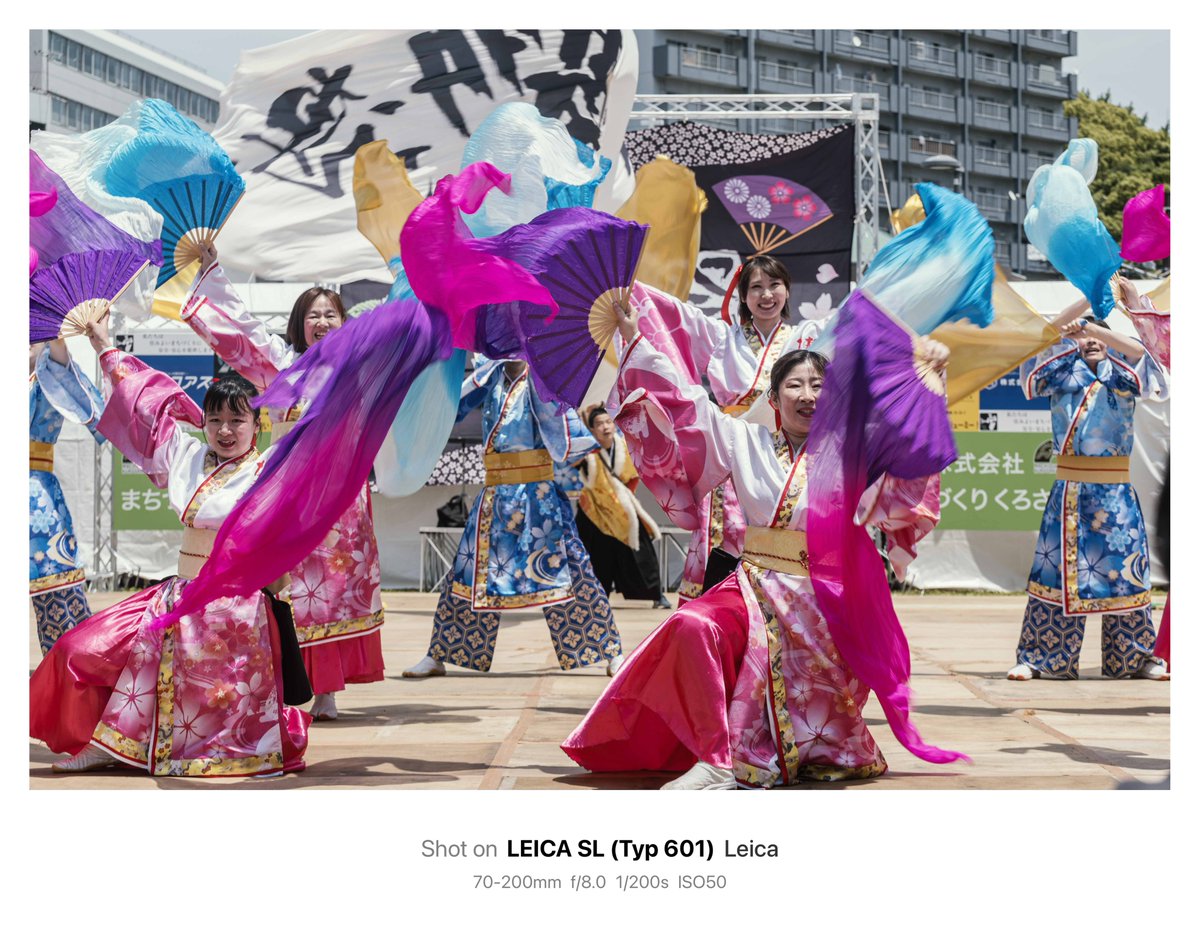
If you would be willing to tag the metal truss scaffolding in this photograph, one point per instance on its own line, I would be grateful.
(860, 109)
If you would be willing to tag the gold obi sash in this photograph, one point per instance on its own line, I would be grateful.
(282, 428)
(778, 549)
(41, 456)
(1107, 469)
(518, 467)
(197, 547)
(735, 409)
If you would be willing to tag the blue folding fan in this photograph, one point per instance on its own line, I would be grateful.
(183, 174)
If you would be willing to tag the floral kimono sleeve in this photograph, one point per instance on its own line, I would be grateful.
(682, 444)
(905, 510)
(216, 313)
(144, 413)
(1145, 378)
(565, 436)
(1050, 371)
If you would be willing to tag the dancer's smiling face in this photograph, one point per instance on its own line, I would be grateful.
(321, 318)
(796, 398)
(767, 299)
(230, 432)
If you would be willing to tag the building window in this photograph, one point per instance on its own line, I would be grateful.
(123, 75)
(76, 116)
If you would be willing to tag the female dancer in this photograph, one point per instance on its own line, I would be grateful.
(737, 359)
(58, 390)
(744, 684)
(202, 698)
(520, 548)
(1091, 555)
(335, 593)
(617, 533)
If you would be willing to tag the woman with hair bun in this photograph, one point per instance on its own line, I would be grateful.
(335, 593)
(205, 697)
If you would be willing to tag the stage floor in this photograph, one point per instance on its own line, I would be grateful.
(502, 730)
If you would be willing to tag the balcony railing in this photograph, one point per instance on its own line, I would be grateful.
(786, 74)
(1047, 120)
(1034, 160)
(991, 202)
(927, 52)
(1047, 76)
(927, 147)
(705, 58)
(871, 42)
(864, 86)
(1052, 35)
(931, 99)
(992, 157)
(991, 110)
(989, 65)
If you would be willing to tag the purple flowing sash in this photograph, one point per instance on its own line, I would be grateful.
(355, 381)
(877, 414)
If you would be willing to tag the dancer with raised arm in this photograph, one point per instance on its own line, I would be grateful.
(744, 685)
(736, 357)
(335, 593)
(204, 697)
(520, 548)
(1092, 555)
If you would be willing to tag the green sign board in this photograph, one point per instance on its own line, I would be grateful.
(1000, 481)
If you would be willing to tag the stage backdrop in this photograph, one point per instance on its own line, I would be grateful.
(787, 195)
(295, 113)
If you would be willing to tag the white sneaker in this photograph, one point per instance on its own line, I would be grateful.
(91, 757)
(1022, 671)
(704, 776)
(427, 667)
(615, 664)
(1152, 669)
(324, 708)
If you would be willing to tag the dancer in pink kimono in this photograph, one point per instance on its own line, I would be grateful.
(204, 697)
(745, 685)
(737, 360)
(335, 593)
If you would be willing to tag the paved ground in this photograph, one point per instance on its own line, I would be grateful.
(502, 730)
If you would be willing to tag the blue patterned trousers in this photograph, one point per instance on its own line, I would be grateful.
(582, 630)
(56, 612)
(1050, 641)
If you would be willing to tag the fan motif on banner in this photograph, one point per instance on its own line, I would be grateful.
(771, 211)
(182, 173)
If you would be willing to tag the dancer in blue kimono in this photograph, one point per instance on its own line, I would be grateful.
(520, 547)
(58, 390)
(1092, 555)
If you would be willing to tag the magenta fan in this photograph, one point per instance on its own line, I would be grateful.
(76, 289)
(771, 210)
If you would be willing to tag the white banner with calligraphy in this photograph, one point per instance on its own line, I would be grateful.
(294, 114)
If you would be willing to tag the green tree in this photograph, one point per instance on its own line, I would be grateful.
(1133, 157)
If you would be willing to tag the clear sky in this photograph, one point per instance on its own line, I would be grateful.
(1135, 65)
